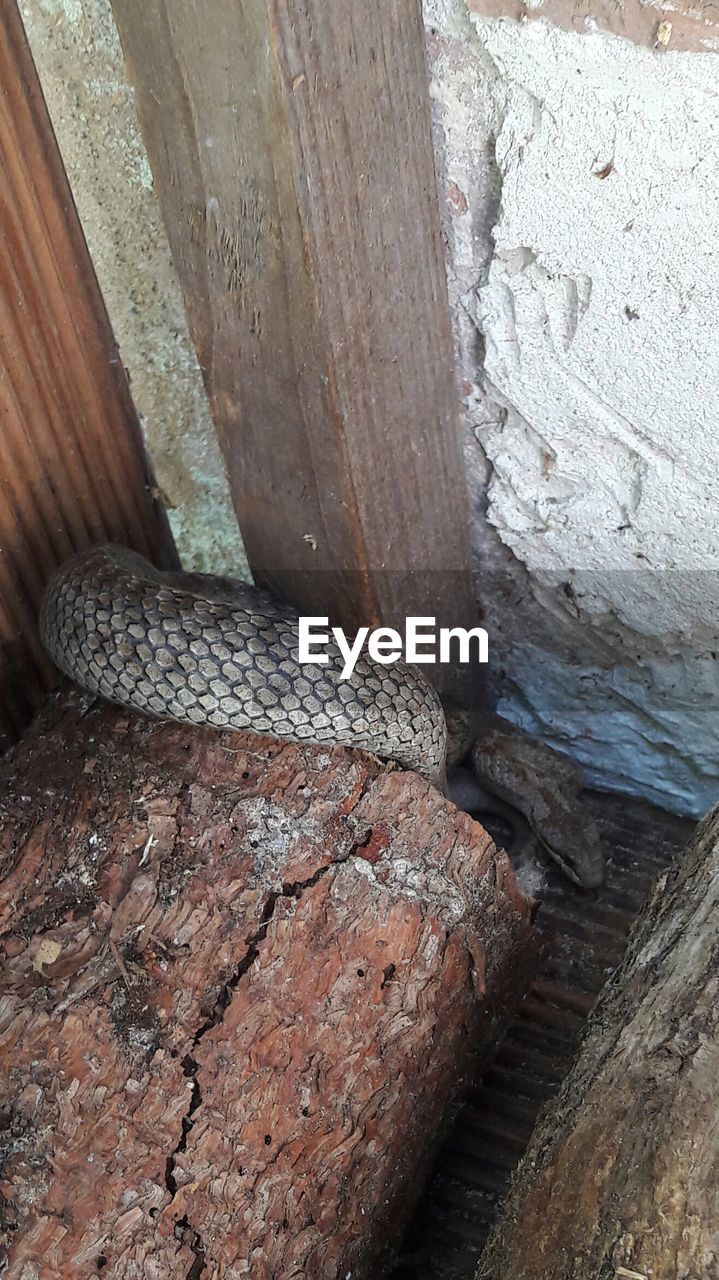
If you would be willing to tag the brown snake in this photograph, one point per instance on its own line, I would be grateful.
(208, 650)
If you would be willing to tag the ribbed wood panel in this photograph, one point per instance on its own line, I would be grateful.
(72, 464)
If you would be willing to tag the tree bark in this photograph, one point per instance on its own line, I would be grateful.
(242, 985)
(622, 1176)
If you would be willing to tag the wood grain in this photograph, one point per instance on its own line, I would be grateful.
(291, 150)
(241, 984)
(72, 465)
(620, 1177)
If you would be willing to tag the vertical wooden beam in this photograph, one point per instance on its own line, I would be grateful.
(72, 465)
(291, 149)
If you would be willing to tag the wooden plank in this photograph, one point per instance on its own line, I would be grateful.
(291, 149)
(72, 464)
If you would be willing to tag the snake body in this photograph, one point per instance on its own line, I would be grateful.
(202, 649)
(207, 650)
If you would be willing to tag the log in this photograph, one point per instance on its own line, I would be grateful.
(620, 1179)
(242, 985)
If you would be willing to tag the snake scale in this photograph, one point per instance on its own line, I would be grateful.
(208, 650)
(201, 649)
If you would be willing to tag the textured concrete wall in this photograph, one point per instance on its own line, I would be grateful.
(80, 62)
(581, 176)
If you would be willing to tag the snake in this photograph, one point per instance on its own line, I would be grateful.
(202, 649)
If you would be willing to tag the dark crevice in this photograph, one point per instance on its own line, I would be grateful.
(186, 1234)
(290, 891)
(471, 970)
(190, 1066)
(361, 844)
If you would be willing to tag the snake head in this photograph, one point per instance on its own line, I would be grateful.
(573, 842)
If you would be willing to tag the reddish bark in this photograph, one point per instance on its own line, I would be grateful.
(242, 984)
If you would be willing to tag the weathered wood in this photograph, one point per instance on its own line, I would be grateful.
(620, 1179)
(72, 465)
(241, 985)
(291, 150)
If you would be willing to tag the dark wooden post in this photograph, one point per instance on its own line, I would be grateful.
(72, 464)
(291, 148)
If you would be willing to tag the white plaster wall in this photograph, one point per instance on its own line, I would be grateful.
(582, 176)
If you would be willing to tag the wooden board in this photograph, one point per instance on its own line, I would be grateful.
(72, 465)
(291, 149)
(241, 984)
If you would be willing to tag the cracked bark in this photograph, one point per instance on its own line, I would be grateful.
(189, 1064)
(620, 1179)
(242, 984)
